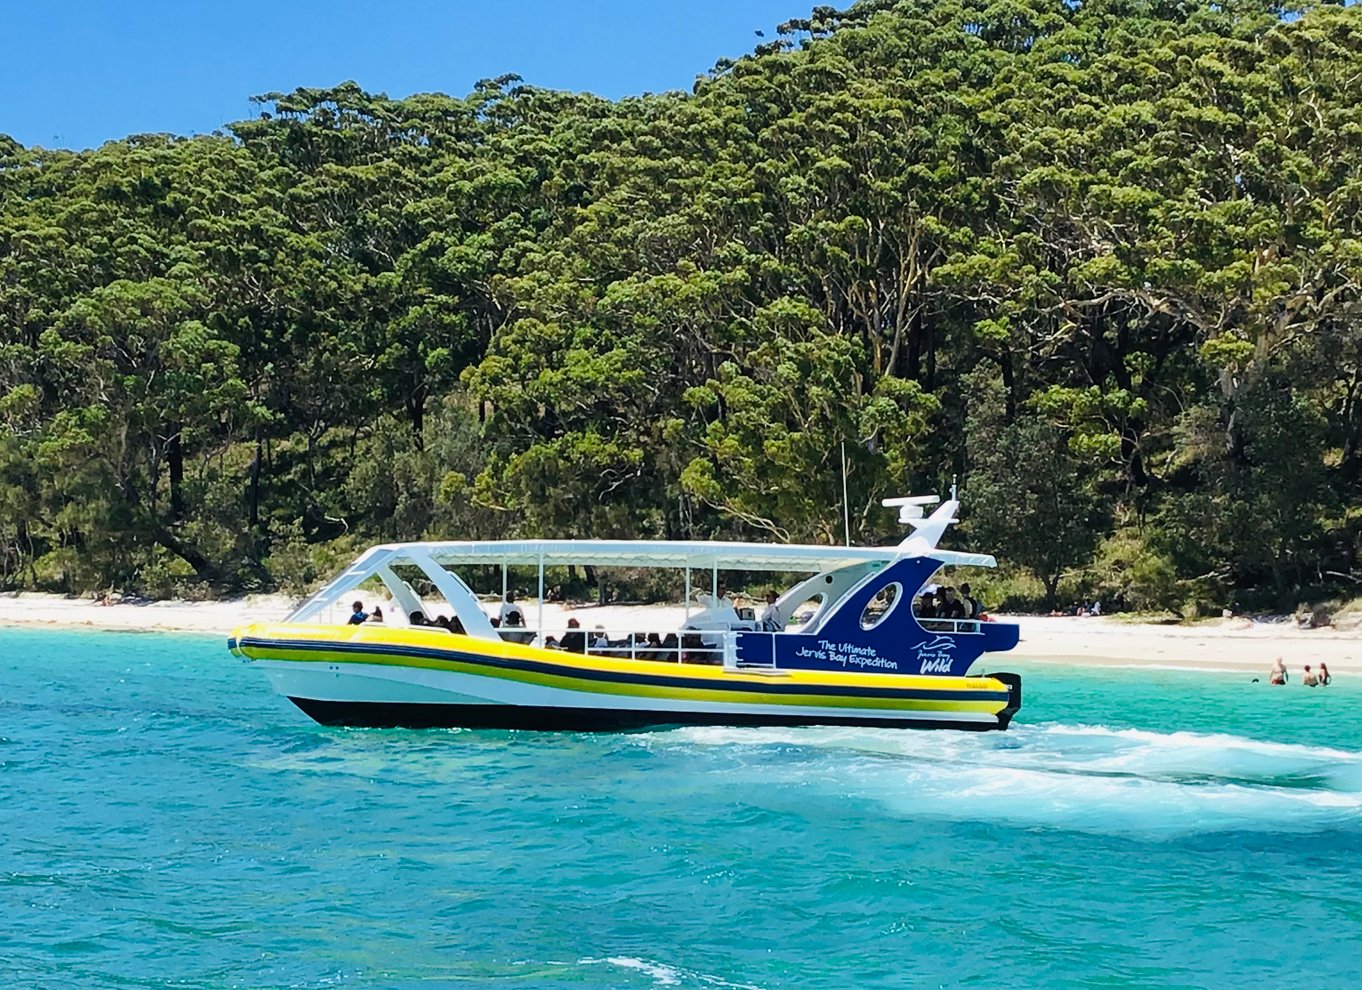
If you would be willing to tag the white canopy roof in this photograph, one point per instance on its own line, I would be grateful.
(675, 553)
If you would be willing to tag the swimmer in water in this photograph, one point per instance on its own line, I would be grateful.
(1324, 676)
(1309, 678)
(1278, 673)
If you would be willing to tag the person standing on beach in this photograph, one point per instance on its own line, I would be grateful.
(1278, 673)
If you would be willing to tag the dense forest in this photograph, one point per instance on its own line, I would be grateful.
(1100, 261)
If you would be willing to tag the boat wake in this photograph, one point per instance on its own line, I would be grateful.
(1087, 778)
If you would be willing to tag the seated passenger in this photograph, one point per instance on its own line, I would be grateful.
(376, 615)
(417, 618)
(950, 607)
(357, 616)
(513, 619)
(770, 617)
(652, 644)
(599, 640)
(695, 649)
(972, 607)
(574, 640)
(507, 607)
(456, 626)
(926, 607)
(671, 648)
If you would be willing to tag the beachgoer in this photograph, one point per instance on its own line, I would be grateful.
(357, 615)
(1309, 678)
(376, 615)
(1277, 675)
(1324, 676)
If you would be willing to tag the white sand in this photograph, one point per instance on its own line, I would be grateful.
(1232, 644)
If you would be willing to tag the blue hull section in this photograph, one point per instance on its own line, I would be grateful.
(896, 643)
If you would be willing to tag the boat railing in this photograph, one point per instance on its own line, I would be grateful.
(697, 646)
(950, 625)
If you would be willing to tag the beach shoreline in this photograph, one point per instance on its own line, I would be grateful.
(1234, 644)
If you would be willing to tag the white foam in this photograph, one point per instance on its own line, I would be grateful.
(664, 975)
(1088, 778)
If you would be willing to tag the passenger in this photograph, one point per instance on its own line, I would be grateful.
(770, 618)
(694, 650)
(926, 608)
(1324, 677)
(599, 640)
(1309, 678)
(376, 615)
(574, 640)
(496, 622)
(513, 619)
(950, 608)
(507, 607)
(456, 626)
(1277, 675)
(671, 648)
(357, 615)
(417, 618)
(971, 603)
(653, 648)
(442, 621)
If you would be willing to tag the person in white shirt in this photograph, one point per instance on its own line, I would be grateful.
(507, 607)
(770, 616)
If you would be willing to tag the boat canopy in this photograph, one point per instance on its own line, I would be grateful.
(436, 559)
(695, 554)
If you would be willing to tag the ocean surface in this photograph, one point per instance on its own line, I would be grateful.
(167, 821)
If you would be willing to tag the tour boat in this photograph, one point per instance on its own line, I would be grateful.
(841, 646)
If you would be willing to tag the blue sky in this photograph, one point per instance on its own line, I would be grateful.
(76, 73)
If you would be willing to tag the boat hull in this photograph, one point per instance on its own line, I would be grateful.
(374, 677)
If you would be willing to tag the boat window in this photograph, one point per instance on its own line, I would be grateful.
(807, 611)
(879, 607)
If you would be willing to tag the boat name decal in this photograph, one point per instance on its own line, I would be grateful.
(846, 654)
(934, 656)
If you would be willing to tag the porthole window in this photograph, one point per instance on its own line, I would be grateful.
(878, 608)
(807, 611)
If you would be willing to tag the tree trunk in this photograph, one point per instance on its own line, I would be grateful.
(416, 409)
(204, 569)
(175, 462)
(254, 512)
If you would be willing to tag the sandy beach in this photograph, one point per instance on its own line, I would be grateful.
(1236, 644)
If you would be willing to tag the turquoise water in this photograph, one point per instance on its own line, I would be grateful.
(166, 821)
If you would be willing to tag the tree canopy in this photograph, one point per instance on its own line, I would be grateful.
(1100, 261)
